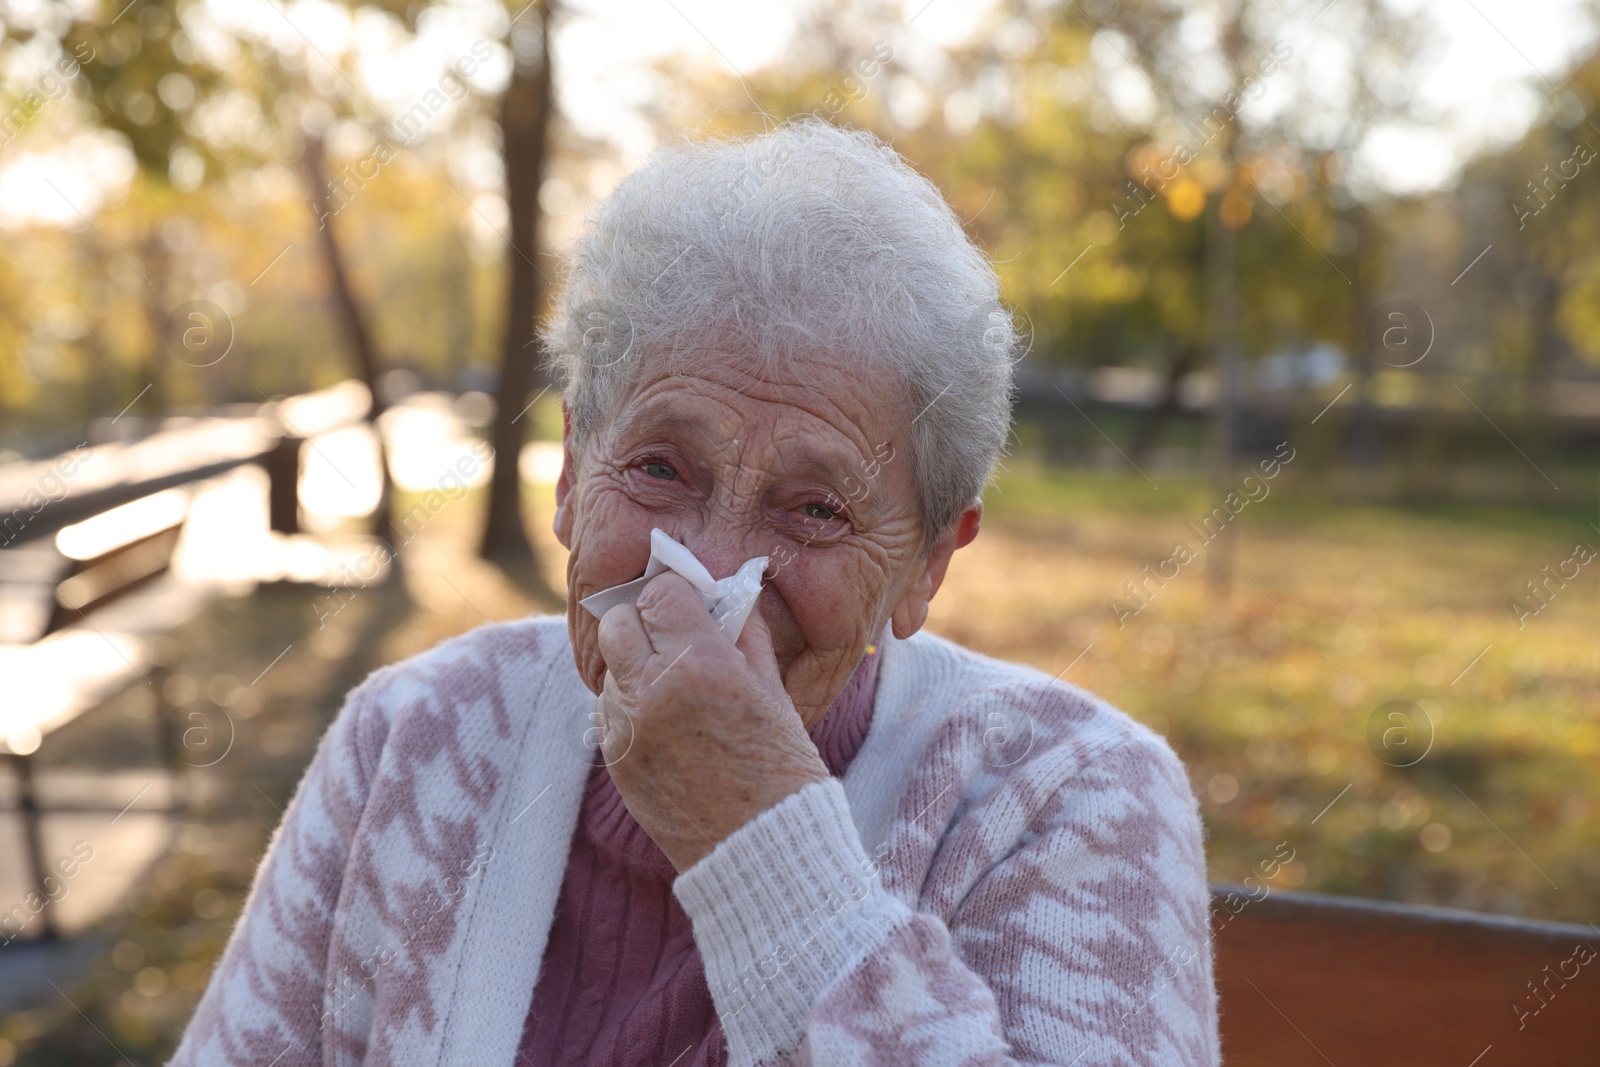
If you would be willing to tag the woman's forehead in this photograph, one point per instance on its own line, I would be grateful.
(829, 422)
(721, 394)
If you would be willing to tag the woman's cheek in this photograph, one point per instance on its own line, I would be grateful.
(826, 613)
(610, 546)
(613, 543)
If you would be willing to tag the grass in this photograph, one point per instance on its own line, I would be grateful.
(1266, 686)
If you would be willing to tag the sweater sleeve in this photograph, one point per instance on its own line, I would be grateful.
(265, 1001)
(1083, 941)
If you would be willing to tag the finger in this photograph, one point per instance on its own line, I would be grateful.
(672, 613)
(616, 725)
(624, 641)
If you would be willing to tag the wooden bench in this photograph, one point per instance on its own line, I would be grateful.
(1306, 978)
(75, 665)
(83, 613)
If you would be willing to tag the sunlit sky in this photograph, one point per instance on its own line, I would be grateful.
(1485, 74)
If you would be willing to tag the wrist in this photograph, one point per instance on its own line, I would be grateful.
(765, 792)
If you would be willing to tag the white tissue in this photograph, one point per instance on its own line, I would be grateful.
(728, 599)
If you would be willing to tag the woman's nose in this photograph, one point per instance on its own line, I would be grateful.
(719, 547)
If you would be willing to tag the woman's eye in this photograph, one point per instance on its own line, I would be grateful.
(660, 470)
(819, 511)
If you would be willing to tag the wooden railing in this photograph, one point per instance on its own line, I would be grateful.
(1311, 979)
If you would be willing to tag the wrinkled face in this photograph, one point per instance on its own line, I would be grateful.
(812, 470)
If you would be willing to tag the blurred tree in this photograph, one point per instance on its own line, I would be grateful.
(152, 86)
(1381, 46)
(142, 76)
(353, 317)
(1208, 88)
(141, 85)
(525, 117)
(1084, 145)
(1543, 195)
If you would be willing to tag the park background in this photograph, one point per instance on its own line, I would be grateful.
(1355, 244)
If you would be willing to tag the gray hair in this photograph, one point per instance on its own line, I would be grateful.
(800, 241)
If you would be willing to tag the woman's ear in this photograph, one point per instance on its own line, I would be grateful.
(911, 610)
(562, 524)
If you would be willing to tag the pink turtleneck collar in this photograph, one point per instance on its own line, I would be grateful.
(622, 980)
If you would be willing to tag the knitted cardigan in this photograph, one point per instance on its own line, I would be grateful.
(1010, 872)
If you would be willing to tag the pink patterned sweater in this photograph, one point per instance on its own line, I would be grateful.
(1009, 872)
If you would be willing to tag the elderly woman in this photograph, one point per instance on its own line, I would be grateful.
(825, 838)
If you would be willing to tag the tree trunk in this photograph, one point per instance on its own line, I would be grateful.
(157, 262)
(524, 122)
(1363, 441)
(1222, 244)
(354, 320)
(1550, 349)
(1156, 417)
